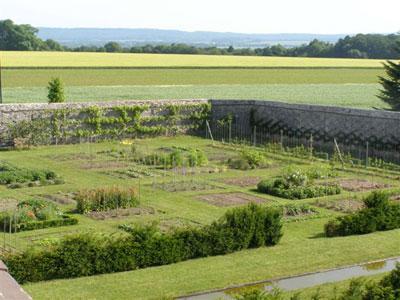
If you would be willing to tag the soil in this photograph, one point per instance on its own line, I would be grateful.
(230, 199)
(71, 156)
(242, 181)
(8, 204)
(88, 165)
(345, 205)
(359, 185)
(120, 213)
(395, 198)
(183, 186)
(61, 198)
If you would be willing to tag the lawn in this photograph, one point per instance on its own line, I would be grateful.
(302, 249)
(72, 59)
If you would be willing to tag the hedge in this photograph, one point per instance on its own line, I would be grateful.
(87, 254)
(64, 221)
(378, 215)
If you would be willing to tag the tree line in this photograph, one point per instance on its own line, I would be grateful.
(24, 38)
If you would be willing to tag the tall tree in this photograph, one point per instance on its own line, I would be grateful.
(24, 38)
(391, 83)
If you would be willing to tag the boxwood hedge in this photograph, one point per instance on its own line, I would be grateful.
(87, 254)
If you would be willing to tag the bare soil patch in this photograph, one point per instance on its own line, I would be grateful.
(184, 186)
(242, 181)
(70, 156)
(120, 213)
(88, 165)
(395, 198)
(8, 204)
(230, 199)
(359, 185)
(345, 205)
(61, 198)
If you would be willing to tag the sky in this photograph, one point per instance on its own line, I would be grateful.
(247, 16)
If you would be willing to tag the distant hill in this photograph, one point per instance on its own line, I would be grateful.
(128, 37)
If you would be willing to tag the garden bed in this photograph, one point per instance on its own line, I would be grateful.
(344, 205)
(32, 215)
(242, 181)
(184, 186)
(120, 213)
(359, 185)
(61, 198)
(8, 204)
(230, 199)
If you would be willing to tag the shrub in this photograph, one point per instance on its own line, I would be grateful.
(104, 199)
(177, 158)
(249, 159)
(56, 91)
(144, 246)
(295, 187)
(378, 215)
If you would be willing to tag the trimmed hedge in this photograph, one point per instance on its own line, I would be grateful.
(87, 254)
(64, 221)
(379, 215)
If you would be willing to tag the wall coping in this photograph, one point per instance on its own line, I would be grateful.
(17, 107)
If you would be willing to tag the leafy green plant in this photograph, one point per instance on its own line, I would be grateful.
(296, 185)
(16, 177)
(249, 159)
(104, 199)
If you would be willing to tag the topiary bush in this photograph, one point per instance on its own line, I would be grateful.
(378, 215)
(144, 246)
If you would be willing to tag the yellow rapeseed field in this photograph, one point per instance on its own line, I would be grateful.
(70, 59)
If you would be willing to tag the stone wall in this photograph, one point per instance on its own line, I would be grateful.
(347, 125)
(73, 119)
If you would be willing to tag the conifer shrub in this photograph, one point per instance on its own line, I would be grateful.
(378, 215)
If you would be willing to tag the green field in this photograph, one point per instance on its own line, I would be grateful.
(116, 77)
(106, 77)
(349, 95)
(302, 249)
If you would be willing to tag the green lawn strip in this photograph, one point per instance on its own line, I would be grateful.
(115, 77)
(301, 250)
(346, 95)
